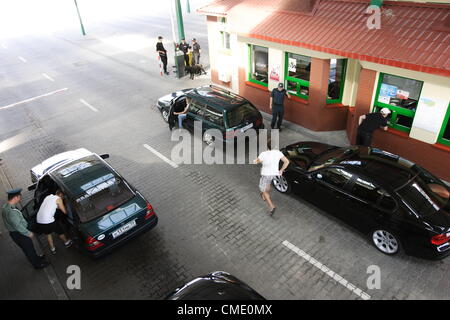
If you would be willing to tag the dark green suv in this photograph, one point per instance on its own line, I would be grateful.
(216, 108)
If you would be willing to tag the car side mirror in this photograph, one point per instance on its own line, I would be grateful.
(32, 187)
(104, 156)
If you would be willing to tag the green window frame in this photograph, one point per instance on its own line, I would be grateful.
(445, 127)
(342, 80)
(296, 86)
(253, 76)
(398, 114)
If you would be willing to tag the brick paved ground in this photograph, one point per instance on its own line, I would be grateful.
(211, 217)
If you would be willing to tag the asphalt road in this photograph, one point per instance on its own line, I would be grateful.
(101, 96)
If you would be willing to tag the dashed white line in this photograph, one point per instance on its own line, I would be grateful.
(31, 99)
(48, 77)
(88, 105)
(22, 59)
(327, 271)
(170, 162)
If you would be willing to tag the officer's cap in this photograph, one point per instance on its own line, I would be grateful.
(14, 192)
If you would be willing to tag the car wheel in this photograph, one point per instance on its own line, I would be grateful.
(385, 241)
(281, 184)
(209, 139)
(165, 114)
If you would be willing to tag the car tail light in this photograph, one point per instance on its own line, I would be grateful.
(440, 239)
(150, 212)
(93, 244)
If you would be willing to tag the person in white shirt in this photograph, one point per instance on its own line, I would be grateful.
(46, 219)
(270, 160)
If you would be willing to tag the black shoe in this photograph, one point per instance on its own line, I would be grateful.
(279, 129)
(272, 212)
(42, 265)
(167, 73)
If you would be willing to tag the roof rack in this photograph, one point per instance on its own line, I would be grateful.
(224, 90)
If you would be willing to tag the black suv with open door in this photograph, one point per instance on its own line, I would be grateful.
(216, 108)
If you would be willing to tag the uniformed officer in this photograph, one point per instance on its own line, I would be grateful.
(184, 47)
(17, 226)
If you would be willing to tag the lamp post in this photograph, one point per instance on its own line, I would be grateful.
(79, 17)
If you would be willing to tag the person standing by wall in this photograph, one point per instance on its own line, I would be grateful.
(184, 47)
(270, 161)
(196, 50)
(17, 226)
(162, 53)
(277, 105)
(368, 123)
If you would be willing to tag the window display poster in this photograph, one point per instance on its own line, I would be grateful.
(275, 73)
(387, 92)
(430, 113)
(402, 94)
(292, 65)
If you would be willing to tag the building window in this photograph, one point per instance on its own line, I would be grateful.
(298, 69)
(401, 96)
(336, 80)
(258, 65)
(225, 40)
(444, 134)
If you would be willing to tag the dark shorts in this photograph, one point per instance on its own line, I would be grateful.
(50, 228)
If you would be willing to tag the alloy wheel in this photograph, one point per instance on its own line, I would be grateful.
(385, 241)
(281, 184)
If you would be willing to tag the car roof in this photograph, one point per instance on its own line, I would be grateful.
(216, 97)
(385, 168)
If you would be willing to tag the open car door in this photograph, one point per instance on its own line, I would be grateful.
(29, 213)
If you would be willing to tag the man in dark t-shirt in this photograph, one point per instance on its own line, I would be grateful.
(184, 47)
(162, 53)
(368, 123)
(277, 105)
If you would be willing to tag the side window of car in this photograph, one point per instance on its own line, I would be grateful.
(334, 176)
(213, 116)
(368, 191)
(387, 202)
(196, 108)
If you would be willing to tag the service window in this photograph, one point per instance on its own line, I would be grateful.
(297, 73)
(258, 65)
(336, 80)
(401, 96)
(334, 176)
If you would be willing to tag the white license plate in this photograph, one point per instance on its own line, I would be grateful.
(247, 127)
(124, 228)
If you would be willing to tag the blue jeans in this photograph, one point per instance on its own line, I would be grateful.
(180, 119)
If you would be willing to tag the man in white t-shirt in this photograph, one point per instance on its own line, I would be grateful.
(270, 160)
(46, 219)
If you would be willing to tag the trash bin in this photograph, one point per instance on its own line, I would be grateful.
(179, 64)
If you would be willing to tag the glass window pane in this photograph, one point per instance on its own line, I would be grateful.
(400, 92)
(446, 134)
(336, 78)
(260, 63)
(299, 66)
(404, 121)
(366, 190)
(334, 176)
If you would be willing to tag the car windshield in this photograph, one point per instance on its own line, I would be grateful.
(331, 156)
(424, 193)
(94, 188)
(241, 114)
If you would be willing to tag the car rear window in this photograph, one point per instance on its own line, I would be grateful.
(424, 193)
(241, 114)
(94, 188)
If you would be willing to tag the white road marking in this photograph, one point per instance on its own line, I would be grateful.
(48, 77)
(31, 99)
(170, 162)
(327, 270)
(88, 105)
(22, 59)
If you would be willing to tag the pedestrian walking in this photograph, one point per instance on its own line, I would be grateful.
(270, 161)
(162, 53)
(277, 105)
(46, 222)
(196, 50)
(185, 47)
(368, 123)
(17, 226)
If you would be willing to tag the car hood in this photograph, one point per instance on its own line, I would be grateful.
(167, 99)
(59, 159)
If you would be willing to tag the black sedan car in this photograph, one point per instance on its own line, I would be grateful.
(395, 202)
(218, 285)
(104, 210)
